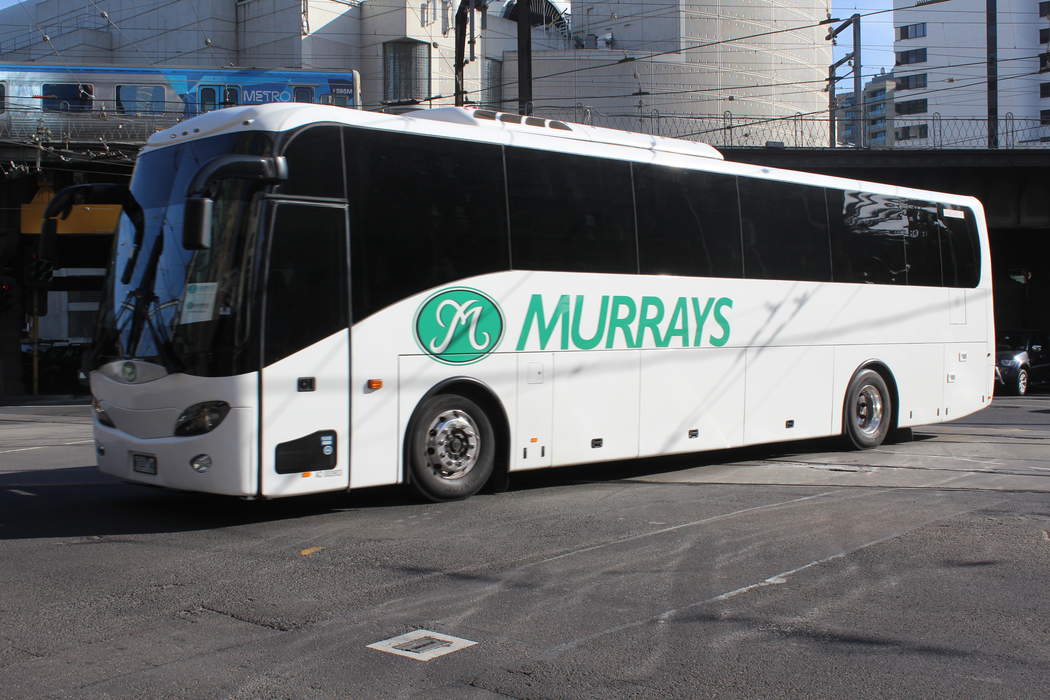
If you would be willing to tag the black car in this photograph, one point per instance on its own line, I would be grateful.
(1022, 359)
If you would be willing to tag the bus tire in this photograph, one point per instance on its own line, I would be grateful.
(868, 412)
(451, 448)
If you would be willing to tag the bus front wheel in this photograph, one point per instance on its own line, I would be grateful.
(868, 412)
(451, 448)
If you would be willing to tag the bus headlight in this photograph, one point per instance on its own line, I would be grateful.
(101, 414)
(201, 418)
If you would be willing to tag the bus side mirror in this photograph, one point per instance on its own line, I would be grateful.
(196, 223)
(48, 239)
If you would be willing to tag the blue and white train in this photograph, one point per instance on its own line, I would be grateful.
(78, 103)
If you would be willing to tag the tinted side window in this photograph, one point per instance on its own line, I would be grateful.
(306, 285)
(315, 163)
(868, 234)
(785, 231)
(923, 246)
(424, 212)
(960, 249)
(570, 213)
(688, 222)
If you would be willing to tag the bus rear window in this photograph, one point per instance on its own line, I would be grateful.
(68, 97)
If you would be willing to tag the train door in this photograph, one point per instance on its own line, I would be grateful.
(212, 97)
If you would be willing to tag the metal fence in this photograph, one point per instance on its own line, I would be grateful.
(801, 131)
(100, 128)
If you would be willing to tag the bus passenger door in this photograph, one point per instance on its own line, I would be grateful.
(304, 414)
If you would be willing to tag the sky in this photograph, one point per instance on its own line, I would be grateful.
(876, 34)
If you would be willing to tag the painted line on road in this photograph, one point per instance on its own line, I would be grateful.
(20, 492)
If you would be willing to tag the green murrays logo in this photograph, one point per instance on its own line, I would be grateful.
(459, 325)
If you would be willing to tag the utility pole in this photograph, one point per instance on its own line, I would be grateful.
(524, 56)
(992, 41)
(858, 92)
(466, 7)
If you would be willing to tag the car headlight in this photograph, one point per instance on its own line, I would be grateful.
(201, 418)
(1005, 363)
(100, 413)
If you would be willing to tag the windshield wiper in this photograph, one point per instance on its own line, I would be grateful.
(143, 298)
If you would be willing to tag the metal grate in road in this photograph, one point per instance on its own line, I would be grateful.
(422, 645)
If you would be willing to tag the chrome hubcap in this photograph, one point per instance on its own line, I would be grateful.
(453, 444)
(1022, 382)
(869, 410)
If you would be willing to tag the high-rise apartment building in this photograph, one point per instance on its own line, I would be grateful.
(972, 73)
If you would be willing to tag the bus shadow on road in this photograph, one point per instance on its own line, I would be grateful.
(81, 502)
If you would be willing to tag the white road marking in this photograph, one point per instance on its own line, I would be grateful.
(20, 492)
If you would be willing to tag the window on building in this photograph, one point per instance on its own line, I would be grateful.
(911, 31)
(406, 71)
(877, 137)
(68, 97)
(140, 99)
(911, 82)
(911, 56)
(913, 131)
(424, 14)
(1044, 36)
(878, 108)
(1044, 116)
(1044, 9)
(878, 122)
(1044, 89)
(877, 94)
(911, 107)
(1044, 62)
(492, 84)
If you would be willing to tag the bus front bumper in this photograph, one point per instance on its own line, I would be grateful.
(167, 461)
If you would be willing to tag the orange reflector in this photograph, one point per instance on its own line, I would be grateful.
(374, 384)
(305, 474)
(534, 439)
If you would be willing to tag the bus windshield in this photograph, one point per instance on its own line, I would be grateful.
(180, 308)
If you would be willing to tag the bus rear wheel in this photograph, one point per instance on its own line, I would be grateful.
(868, 412)
(451, 448)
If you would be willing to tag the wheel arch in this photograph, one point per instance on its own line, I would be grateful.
(891, 383)
(482, 394)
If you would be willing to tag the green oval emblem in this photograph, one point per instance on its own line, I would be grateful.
(458, 326)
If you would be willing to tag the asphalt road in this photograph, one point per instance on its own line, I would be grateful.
(918, 569)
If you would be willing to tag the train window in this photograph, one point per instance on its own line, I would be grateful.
(68, 97)
(231, 96)
(337, 100)
(303, 94)
(207, 99)
(3, 97)
(140, 99)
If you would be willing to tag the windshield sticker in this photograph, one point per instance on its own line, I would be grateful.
(199, 303)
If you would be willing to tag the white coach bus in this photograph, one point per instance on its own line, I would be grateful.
(304, 298)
